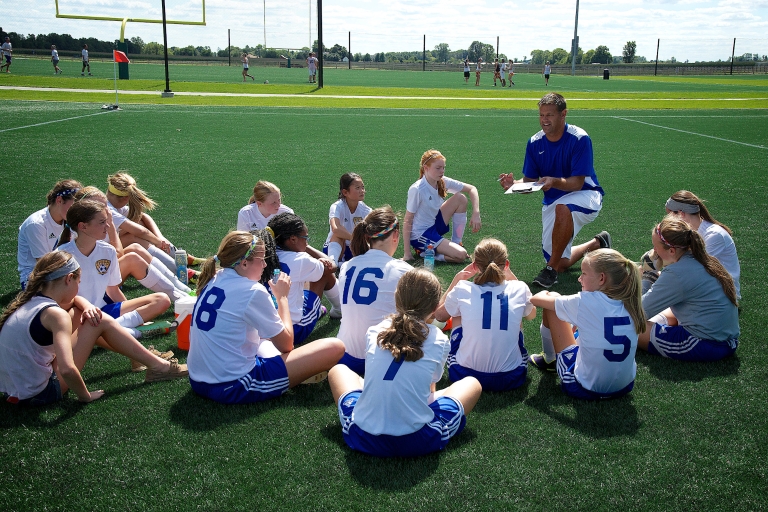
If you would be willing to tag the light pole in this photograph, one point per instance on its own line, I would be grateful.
(167, 93)
(575, 42)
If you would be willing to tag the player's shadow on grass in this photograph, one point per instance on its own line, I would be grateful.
(392, 474)
(684, 371)
(491, 401)
(596, 419)
(32, 418)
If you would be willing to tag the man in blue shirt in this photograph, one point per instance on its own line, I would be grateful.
(560, 158)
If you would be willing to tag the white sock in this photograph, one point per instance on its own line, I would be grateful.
(157, 282)
(334, 252)
(170, 275)
(333, 296)
(659, 319)
(439, 257)
(459, 223)
(132, 319)
(134, 332)
(547, 344)
(164, 258)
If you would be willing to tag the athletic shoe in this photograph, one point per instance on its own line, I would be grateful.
(604, 239)
(151, 329)
(316, 379)
(176, 371)
(90, 74)
(650, 275)
(546, 278)
(82, 74)
(323, 312)
(540, 362)
(195, 261)
(192, 276)
(335, 313)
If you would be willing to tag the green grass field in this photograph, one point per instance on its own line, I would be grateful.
(689, 436)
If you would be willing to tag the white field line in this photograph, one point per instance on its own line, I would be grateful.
(691, 133)
(54, 121)
(320, 96)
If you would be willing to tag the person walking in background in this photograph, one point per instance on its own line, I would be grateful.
(55, 59)
(466, 71)
(478, 70)
(7, 55)
(312, 66)
(86, 61)
(511, 72)
(503, 73)
(244, 60)
(547, 70)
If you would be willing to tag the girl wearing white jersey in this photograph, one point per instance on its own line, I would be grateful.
(305, 265)
(397, 411)
(48, 331)
(344, 215)
(241, 347)
(693, 306)
(129, 205)
(429, 212)
(487, 340)
(609, 315)
(101, 269)
(264, 204)
(55, 59)
(39, 234)
(244, 60)
(368, 282)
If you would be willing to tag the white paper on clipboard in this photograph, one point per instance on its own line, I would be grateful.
(524, 188)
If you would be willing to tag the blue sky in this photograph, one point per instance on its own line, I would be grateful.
(689, 29)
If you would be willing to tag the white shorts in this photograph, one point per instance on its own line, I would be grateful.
(584, 206)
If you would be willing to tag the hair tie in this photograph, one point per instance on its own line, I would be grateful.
(215, 258)
(117, 192)
(270, 231)
(386, 230)
(66, 226)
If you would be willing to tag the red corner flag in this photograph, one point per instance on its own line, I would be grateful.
(120, 56)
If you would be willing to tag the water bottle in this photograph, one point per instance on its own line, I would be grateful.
(275, 275)
(181, 265)
(429, 258)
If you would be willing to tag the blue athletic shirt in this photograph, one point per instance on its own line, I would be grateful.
(569, 156)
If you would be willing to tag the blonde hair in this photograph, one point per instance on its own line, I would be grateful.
(675, 232)
(417, 296)
(138, 200)
(427, 157)
(622, 282)
(378, 225)
(684, 196)
(90, 192)
(232, 250)
(261, 190)
(490, 258)
(45, 266)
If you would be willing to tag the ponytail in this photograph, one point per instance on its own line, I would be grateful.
(490, 258)
(233, 249)
(378, 225)
(122, 184)
(622, 282)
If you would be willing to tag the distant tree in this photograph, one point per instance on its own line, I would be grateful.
(586, 58)
(540, 56)
(158, 49)
(478, 49)
(367, 57)
(136, 45)
(560, 56)
(341, 51)
(602, 55)
(442, 52)
(203, 51)
(629, 52)
(187, 51)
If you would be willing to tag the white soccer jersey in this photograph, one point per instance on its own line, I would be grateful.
(98, 270)
(119, 215)
(302, 268)
(607, 340)
(503, 69)
(424, 203)
(720, 245)
(55, 54)
(368, 283)
(249, 217)
(25, 366)
(231, 318)
(395, 398)
(38, 235)
(85, 55)
(7, 49)
(490, 320)
(348, 219)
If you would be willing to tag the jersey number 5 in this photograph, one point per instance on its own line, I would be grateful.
(209, 307)
(608, 324)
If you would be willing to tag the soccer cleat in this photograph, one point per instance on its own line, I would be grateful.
(316, 379)
(604, 239)
(193, 261)
(540, 362)
(335, 313)
(192, 276)
(150, 329)
(175, 371)
(546, 278)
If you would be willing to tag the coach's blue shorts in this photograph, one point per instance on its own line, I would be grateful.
(675, 342)
(355, 364)
(268, 379)
(312, 313)
(449, 420)
(566, 362)
(496, 381)
(346, 255)
(111, 308)
(432, 236)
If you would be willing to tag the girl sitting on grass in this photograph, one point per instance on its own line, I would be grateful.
(48, 331)
(264, 204)
(487, 339)
(344, 215)
(693, 306)
(369, 282)
(241, 347)
(609, 315)
(397, 411)
(304, 264)
(429, 212)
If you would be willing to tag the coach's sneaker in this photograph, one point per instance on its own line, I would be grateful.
(604, 239)
(546, 278)
(175, 371)
(540, 362)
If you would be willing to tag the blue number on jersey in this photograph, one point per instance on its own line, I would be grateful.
(608, 324)
(503, 313)
(394, 366)
(204, 306)
(362, 284)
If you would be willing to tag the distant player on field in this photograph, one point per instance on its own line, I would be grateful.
(7, 54)
(86, 61)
